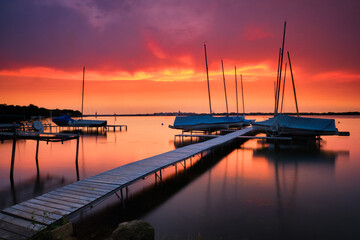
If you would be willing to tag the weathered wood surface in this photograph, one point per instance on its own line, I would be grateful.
(25, 219)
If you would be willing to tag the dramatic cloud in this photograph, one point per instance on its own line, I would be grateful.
(162, 40)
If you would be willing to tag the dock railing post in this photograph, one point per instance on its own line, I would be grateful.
(122, 198)
(13, 156)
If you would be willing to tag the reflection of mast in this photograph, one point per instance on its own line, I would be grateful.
(278, 191)
(208, 194)
(294, 188)
(279, 195)
(82, 157)
(237, 173)
(225, 178)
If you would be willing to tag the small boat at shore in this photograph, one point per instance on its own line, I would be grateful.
(199, 122)
(284, 125)
(208, 122)
(66, 121)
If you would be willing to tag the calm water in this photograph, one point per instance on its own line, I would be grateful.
(246, 191)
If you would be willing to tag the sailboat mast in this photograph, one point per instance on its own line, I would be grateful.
(236, 88)
(82, 101)
(292, 78)
(242, 93)
(281, 62)
(282, 100)
(277, 81)
(207, 77)
(227, 109)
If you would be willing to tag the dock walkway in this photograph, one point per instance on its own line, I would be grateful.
(26, 219)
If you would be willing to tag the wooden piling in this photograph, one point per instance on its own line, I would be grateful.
(13, 156)
(76, 158)
(37, 157)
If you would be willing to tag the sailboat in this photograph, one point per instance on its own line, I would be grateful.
(209, 122)
(284, 125)
(66, 121)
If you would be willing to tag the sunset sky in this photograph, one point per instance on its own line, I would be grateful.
(146, 56)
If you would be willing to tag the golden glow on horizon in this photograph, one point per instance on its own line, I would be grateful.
(337, 76)
(167, 74)
(174, 89)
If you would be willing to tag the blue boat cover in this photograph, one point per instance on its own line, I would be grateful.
(63, 120)
(196, 120)
(207, 119)
(313, 124)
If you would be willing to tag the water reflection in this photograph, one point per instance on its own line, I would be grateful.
(257, 191)
(148, 195)
(29, 188)
(254, 191)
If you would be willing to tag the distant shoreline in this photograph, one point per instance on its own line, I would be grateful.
(222, 114)
(11, 113)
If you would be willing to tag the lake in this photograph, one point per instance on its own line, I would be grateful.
(247, 190)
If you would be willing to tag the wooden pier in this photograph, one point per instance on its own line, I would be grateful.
(29, 218)
(37, 136)
(101, 128)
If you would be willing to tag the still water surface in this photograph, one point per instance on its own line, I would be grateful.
(247, 191)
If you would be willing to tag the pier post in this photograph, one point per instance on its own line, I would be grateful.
(13, 156)
(122, 198)
(37, 157)
(160, 176)
(77, 157)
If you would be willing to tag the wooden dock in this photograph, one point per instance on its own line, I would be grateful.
(29, 218)
(101, 128)
(37, 136)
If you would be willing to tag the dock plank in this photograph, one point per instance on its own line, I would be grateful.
(102, 186)
(21, 222)
(86, 190)
(38, 212)
(82, 195)
(4, 234)
(69, 197)
(46, 206)
(25, 232)
(29, 216)
(68, 205)
(65, 200)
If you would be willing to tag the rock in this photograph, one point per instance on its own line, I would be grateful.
(134, 230)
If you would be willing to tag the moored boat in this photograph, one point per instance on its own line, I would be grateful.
(66, 121)
(199, 122)
(284, 125)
